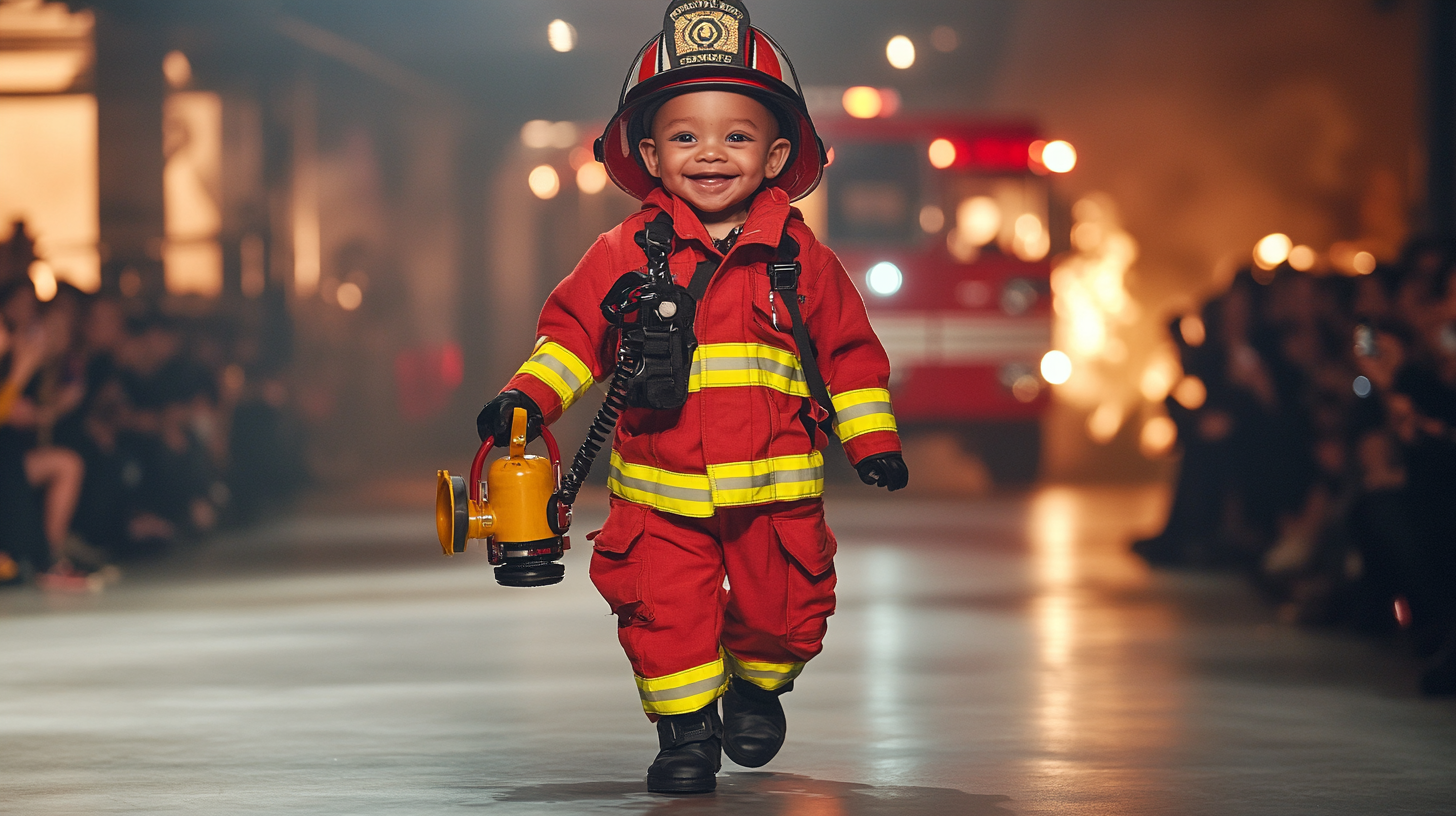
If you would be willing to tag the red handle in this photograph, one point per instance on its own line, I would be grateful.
(479, 464)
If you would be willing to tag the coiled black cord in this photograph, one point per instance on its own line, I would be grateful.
(629, 357)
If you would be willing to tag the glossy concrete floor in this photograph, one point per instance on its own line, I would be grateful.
(990, 657)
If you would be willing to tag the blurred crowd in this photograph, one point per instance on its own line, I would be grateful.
(1318, 420)
(125, 433)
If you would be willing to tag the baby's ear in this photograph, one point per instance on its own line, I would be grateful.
(778, 156)
(648, 149)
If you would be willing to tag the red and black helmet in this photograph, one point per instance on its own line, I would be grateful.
(708, 45)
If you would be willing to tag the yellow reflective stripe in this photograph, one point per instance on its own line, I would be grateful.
(863, 411)
(685, 691)
(696, 495)
(730, 365)
(683, 494)
(783, 478)
(563, 371)
(768, 676)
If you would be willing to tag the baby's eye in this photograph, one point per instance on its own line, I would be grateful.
(740, 137)
(686, 138)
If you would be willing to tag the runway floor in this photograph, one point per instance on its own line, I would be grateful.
(990, 657)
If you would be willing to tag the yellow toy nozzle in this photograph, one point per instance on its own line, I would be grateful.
(518, 433)
(452, 512)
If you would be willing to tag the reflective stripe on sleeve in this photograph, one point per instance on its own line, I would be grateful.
(863, 411)
(783, 478)
(685, 691)
(563, 371)
(767, 676)
(728, 365)
(682, 494)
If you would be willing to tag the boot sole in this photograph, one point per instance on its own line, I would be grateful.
(678, 786)
(748, 761)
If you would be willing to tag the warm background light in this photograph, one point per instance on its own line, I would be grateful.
(349, 296)
(177, 69)
(43, 278)
(932, 219)
(561, 35)
(1056, 367)
(591, 178)
(540, 134)
(1191, 393)
(1158, 436)
(544, 182)
(942, 154)
(1302, 258)
(1272, 250)
(978, 220)
(192, 257)
(862, 102)
(46, 48)
(1364, 263)
(1031, 241)
(48, 176)
(1193, 330)
(1158, 380)
(900, 51)
(1059, 156)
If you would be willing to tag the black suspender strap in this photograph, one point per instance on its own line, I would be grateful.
(784, 278)
(701, 276)
(655, 239)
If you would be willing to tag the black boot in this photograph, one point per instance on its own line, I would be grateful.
(691, 752)
(753, 723)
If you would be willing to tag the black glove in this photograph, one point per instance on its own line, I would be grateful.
(496, 417)
(884, 470)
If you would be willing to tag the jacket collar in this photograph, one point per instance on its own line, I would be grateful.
(765, 225)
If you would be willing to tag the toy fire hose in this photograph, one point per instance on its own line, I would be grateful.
(517, 510)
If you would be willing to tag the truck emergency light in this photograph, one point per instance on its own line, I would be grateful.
(884, 279)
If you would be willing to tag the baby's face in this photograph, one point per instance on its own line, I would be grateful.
(714, 149)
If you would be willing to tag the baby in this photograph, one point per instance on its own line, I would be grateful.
(760, 347)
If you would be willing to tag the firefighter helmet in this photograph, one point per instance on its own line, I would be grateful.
(709, 45)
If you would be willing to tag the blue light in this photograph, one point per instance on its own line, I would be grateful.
(884, 279)
(1362, 387)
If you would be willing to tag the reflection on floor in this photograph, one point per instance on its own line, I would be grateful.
(992, 657)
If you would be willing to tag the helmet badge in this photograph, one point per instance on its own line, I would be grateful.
(707, 32)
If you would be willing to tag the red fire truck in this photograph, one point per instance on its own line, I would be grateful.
(947, 226)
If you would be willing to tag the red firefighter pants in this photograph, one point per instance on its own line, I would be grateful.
(684, 632)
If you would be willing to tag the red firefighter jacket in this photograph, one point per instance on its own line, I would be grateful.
(739, 439)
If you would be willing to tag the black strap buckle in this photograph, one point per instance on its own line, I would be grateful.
(784, 275)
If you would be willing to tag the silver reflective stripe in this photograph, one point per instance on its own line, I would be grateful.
(768, 479)
(684, 692)
(861, 410)
(747, 364)
(684, 493)
(763, 675)
(561, 370)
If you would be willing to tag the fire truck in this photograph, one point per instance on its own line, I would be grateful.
(947, 226)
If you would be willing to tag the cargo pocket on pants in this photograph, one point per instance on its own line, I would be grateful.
(810, 548)
(615, 572)
(808, 542)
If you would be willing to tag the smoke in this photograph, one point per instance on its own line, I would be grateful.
(1213, 123)
(1207, 125)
